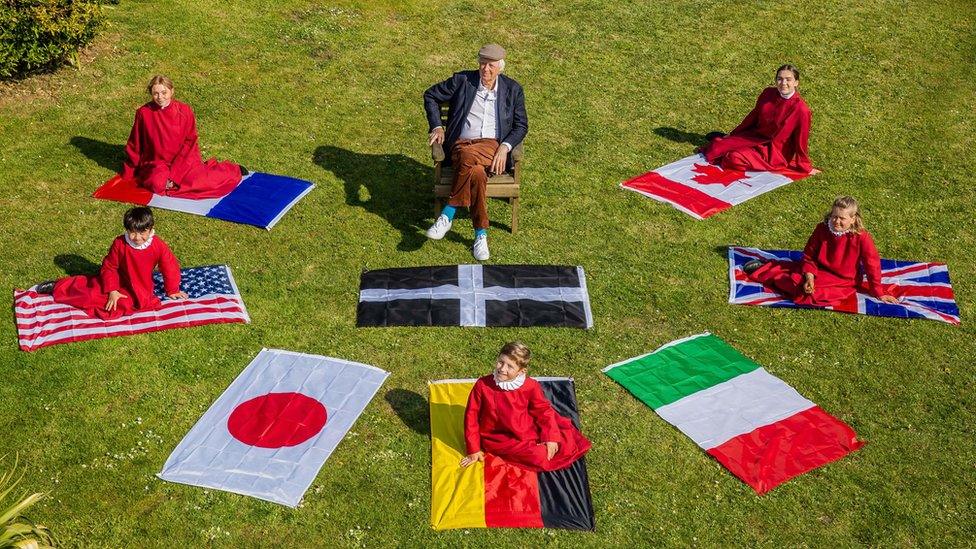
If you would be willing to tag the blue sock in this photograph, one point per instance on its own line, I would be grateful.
(449, 212)
(479, 232)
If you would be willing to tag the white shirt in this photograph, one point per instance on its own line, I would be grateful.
(480, 123)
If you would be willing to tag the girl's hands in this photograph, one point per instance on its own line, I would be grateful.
(551, 449)
(113, 299)
(471, 458)
(808, 283)
(889, 299)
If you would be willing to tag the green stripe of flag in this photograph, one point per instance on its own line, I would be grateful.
(679, 369)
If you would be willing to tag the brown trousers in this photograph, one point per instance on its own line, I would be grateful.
(471, 159)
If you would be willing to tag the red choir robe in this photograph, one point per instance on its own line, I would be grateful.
(163, 147)
(840, 265)
(514, 425)
(127, 270)
(772, 137)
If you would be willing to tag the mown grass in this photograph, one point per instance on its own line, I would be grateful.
(331, 93)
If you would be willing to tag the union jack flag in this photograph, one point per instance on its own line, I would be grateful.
(923, 288)
(214, 298)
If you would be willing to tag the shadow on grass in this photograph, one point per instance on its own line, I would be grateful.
(411, 408)
(107, 155)
(397, 188)
(73, 264)
(681, 136)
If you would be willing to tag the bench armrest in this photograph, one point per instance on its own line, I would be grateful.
(437, 152)
(517, 153)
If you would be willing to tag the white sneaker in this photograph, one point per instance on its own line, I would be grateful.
(480, 248)
(439, 228)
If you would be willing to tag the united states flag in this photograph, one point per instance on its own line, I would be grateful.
(923, 288)
(214, 298)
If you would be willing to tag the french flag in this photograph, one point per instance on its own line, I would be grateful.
(260, 199)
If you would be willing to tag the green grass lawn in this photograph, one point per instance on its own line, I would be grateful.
(332, 94)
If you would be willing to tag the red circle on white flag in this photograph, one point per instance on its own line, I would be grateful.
(276, 420)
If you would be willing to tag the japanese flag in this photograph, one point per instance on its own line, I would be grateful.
(700, 189)
(269, 433)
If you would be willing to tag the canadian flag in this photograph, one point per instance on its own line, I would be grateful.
(269, 433)
(701, 190)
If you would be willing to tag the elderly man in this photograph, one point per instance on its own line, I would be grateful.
(485, 120)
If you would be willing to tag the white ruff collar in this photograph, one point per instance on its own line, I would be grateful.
(511, 384)
(145, 244)
(836, 233)
(788, 96)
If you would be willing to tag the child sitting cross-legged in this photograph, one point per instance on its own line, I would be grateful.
(125, 283)
(839, 255)
(508, 416)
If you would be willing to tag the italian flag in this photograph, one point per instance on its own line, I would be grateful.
(702, 190)
(752, 422)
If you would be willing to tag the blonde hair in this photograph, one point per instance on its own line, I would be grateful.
(157, 80)
(518, 352)
(846, 203)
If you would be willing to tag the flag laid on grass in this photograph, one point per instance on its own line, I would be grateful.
(923, 288)
(494, 494)
(749, 420)
(261, 199)
(475, 295)
(214, 299)
(702, 190)
(271, 431)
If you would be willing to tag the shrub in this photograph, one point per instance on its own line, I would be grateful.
(15, 529)
(38, 35)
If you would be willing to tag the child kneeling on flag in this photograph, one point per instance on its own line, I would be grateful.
(125, 283)
(839, 253)
(509, 416)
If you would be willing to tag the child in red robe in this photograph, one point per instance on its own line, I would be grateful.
(163, 154)
(836, 259)
(509, 416)
(773, 137)
(125, 283)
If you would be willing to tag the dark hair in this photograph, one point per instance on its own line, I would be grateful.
(791, 68)
(138, 219)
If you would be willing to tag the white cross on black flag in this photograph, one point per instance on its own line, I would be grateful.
(475, 295)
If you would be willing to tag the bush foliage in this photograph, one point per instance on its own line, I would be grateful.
(41, 34)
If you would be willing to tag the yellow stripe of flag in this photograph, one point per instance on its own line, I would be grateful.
(457, 494)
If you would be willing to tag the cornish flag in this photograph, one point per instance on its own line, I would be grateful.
(475, 295)
(923, 288)
(261, 199)
(752, 422)
(702, 190)
(271, 431)
(214, 299)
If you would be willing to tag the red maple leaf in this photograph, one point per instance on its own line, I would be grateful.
(712, 174)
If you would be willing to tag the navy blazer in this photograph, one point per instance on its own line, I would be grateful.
(511, 122)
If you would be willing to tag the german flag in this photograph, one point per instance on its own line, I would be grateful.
(494, 494)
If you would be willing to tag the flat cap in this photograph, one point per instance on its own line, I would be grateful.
(492, 52)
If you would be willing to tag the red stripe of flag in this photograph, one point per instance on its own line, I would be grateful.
(67, 311)
(214, 310)
(684, 197)
(911, 269)
(775, 453)
(123, 322)
(123, 190)
(511, 496)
